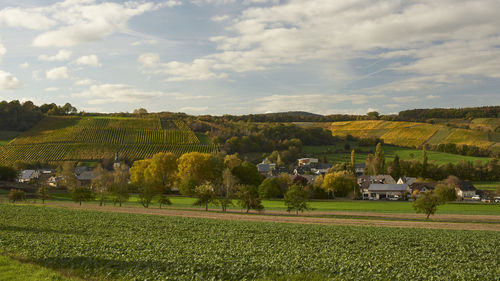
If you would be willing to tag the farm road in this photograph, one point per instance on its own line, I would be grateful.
(491, 222)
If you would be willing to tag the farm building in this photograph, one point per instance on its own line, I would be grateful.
(378, 191)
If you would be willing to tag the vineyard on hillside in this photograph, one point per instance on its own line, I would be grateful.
(415, 135)
(93, 138)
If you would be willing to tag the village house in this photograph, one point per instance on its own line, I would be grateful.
(419, 187)
(408, 180)
(84, 175)
(307, 161)
(28, 175)
(359, 169)
(266, 168)
(465, 189)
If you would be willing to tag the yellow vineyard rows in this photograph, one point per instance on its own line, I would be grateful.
(411, 134)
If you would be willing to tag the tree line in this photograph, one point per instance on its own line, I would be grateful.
(17, 116)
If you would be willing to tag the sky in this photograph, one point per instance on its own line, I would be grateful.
(251, 56)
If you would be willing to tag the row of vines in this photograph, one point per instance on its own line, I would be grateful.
(62, 152)
(93, 138)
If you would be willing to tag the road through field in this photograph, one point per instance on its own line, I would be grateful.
(488, 222)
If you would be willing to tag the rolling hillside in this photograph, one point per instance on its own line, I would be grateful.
(411, 134)
(93, 138)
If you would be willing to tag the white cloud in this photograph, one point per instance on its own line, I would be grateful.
(90, 60)
(69, 23)
(57, 73)
(62, 55)
(26, 18)
(199, 69)
(2, 51)
(443, 40)
(307, 102)
(51, 89)
(179, 96)
(145, 42)
(24, 65)
(219, 18)
(83, 82)
(116, 93)
(193, 109)
(149, 59)
(8, 81)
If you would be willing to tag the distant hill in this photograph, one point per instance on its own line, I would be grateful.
(437, 136)
(60, 138)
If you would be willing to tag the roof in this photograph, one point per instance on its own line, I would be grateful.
(27, 174)
(324, 166)
(86, 176)
(388, 187)
(466, 186)
(359, 166)
(81, 169)
(265, 167)
(408, 180)
(422, 185)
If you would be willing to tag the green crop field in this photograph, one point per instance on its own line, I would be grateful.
(93, 138)
(410, 134)
(336, 154)
(95, 245)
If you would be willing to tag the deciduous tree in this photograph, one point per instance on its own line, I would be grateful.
(205, 195)
(248, 196)
(340, 183)
(296, 199)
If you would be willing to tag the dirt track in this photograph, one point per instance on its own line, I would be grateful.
(491, 222)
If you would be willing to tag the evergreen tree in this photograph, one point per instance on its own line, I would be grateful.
(424, 163)
(379, 160)
(353, 161)
(396, 167)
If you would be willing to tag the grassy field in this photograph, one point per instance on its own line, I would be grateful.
(486, 185)
(327, 205)
(13, 270)
(7, 136)
(410, 134)
(390, 151)
(111, 246)
(60, 138)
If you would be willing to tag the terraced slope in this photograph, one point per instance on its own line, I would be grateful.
(94, 138)
(410, 134)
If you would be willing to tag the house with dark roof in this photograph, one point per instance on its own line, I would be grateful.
(377, 191)
(266, 169)
(418, 187)
(84, 175)
(465, 189)
(359, 169)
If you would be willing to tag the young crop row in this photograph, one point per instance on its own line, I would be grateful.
(98, 245)
(85, 151)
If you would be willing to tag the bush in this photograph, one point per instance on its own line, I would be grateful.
(17, 195)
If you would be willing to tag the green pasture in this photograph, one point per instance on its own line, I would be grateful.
(390, 152)
(13, 270)
(337, 205)
(486, 185)
(7, 136)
